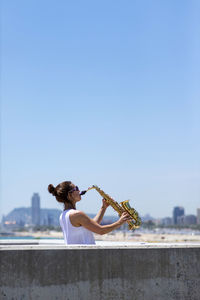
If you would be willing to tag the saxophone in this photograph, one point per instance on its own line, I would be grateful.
(124, 207)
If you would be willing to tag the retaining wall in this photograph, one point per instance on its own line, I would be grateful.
(100, 273)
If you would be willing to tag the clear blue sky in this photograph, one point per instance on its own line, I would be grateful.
(101, 92)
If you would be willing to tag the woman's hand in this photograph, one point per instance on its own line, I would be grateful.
(105, 204)
(124, 218)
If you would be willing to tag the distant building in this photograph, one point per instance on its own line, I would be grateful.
(198, 216)
(147, 218)
(167, 221)
(19, 216)
(190, 220)
(156, 221)
(180, 220)
(23, 215)
(177, 212)
(50, 217)
(187, 220)
(35, 209)
(50, 220)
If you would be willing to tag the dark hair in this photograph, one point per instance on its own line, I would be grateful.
(61, 191)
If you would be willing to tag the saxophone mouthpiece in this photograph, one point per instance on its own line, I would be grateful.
(83, 193)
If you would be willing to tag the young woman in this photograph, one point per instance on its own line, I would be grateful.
(77, 227)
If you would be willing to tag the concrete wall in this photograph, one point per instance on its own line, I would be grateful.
(100, 274)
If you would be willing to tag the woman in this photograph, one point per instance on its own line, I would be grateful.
(77, 227)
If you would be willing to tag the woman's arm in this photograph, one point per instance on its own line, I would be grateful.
(101, 212)
(81, 219)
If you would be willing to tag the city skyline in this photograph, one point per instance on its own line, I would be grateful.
(175, 218)
(101, 93)
(24, 218)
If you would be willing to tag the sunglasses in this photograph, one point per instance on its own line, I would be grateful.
(74, 189)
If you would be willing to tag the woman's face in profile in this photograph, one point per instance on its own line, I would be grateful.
(75, 193)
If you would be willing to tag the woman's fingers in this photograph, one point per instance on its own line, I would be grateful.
(125, 217)
(105, 203)
(125, 214)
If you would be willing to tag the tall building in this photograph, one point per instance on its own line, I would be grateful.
(198, 216)
(177, 212)
(35, 209)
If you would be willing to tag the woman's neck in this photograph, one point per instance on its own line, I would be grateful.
(69, 206)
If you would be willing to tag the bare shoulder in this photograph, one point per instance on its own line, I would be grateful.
(77, 213)
(76, 217)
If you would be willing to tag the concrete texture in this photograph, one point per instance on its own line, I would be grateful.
(99, 273)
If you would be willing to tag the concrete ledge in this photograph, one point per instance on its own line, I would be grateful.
(59, 244)
(94, 272)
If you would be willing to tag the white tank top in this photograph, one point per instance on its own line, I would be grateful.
(72, 234)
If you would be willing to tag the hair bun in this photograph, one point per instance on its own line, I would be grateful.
(52, 189)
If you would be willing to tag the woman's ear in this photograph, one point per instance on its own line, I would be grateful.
(69, 196)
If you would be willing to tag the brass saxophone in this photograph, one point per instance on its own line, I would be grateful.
(124, 207)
